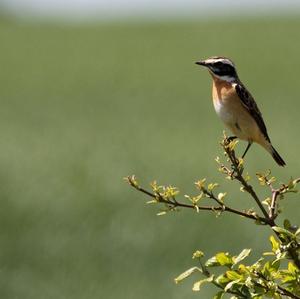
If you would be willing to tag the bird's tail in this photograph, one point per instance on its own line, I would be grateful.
(277, 157)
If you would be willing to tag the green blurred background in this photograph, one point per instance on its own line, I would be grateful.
(82, 106)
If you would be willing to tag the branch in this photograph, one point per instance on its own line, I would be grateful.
(283, 291)
(275, 193)
(208, 274)
(166, 195)
(288, 293)
(272, 212)
(237, 173)
(221, 208)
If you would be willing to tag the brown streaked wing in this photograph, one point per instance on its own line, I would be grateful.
(252, 108)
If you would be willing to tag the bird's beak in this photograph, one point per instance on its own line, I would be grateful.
(201, 62)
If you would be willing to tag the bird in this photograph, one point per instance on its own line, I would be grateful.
(236, 107)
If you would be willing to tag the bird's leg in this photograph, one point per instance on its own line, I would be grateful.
(231, 138)
(247, 148)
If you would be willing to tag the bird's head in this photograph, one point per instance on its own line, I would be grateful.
(220, 67)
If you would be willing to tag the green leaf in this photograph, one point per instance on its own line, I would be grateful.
(232, 144)
(219, 295)
(162, 213)
(266, 269)
(267, 201)
(275, 244)
(272, 294)
(283, 231)
(151, 201)
(243, 269)
(275, 264)
(131, 179)
(198, 284)
(258, 291)
(194, 199)
(200, 184)
(257, 265)
(292, 184)
(186, 274)
(231, 284)
(222, 279)
(268, 253)
(221, 196)
(171, 191)
(224, 259)
(292, 268)
(233, 275)
(212, 186)
(262, 178)
(212, 262)
(270, 268)
(287, 278)
(241, 256)
(198, 254)
(286, 224)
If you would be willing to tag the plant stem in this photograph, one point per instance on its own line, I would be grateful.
(175, 204)
(269, 217)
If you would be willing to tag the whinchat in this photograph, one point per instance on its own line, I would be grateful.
(236, 107)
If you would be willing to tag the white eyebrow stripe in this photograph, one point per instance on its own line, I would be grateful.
(211, 60)
(224, 60)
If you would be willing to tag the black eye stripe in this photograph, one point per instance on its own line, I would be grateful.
(223, 69)
(218, 64)
(222, 65)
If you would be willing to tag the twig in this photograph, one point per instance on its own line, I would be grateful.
(175, 203)
(288, 293)
(237, 173)
(239, 176)
(270, 219)
(208, 274)
(272, 212)
(283, 291)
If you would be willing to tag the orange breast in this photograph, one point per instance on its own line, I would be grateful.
(221, 90)
(232, 112)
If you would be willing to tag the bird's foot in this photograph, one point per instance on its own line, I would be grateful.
(231, 138)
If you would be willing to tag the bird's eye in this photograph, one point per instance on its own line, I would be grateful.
(218, 64)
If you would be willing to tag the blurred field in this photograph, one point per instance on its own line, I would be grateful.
(84, 106)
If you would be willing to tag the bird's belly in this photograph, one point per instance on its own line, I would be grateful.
(236, 118)
(225, 112)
